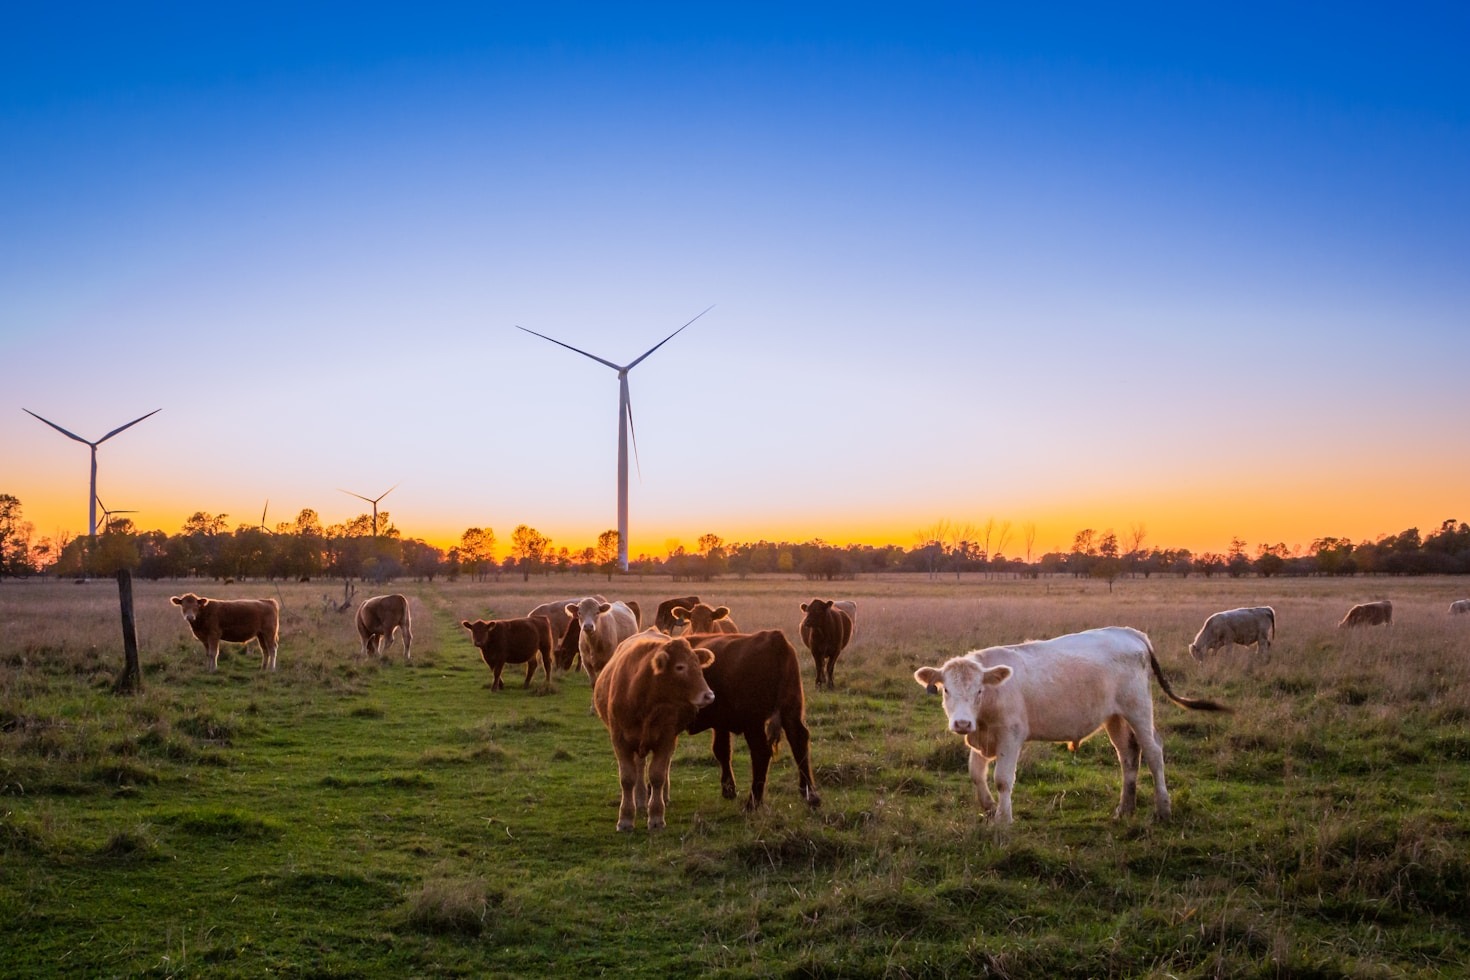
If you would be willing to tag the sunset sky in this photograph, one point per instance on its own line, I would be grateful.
(1204, 268)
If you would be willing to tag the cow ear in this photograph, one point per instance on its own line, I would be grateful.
(572, 610)
(704, 655)
(930, 678)
(177, 600)
(203, 602)
(604, 607)
(680, 613)
(465, 623)
(721, 612)
(996, 675)
(660, 661)
(803, 607)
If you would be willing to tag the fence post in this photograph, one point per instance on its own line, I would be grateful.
(131, 678)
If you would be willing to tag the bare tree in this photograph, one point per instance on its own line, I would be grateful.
(1028, 535)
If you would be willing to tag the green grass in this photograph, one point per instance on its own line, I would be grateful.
(349, 818)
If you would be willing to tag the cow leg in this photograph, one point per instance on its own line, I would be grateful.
(546, 664)
(1153, 755)
(831, 666)
(760, 764)
(1126, 744)
(407, 637)
(980, 776)
(1263, 647)
(800, 738)
(720, 746)
(1005, 777)
(658, 784)
(630, 782)
(211, 650)
(530, 671)
(495, 682)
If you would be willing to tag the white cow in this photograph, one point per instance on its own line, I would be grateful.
(604, 626)
(1250, 624)
(1058, 690)
(1459, 606)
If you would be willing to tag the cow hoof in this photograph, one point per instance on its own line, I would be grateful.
(657, 824)
(727, 790)
(812, 799)
(751, 803)
(624, 827)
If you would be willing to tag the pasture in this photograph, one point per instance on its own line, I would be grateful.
(344, 817)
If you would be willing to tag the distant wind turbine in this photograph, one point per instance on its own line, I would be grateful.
(92, 497)
(625, 425)
(107, 514)
(371, 500)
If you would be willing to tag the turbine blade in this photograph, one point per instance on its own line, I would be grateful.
(358, 496)
(599, 360)
(58, 428)
(633, 431)
(386, 492)
(262, 512)
(667, 339)
(129, 425)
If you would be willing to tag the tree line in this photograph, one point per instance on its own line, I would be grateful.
(207, 547)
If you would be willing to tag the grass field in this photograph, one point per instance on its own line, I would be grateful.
(350, 818)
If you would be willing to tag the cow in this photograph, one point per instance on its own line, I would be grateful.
(664, 619)
(512, 641)
(233, 621)
(1459, 606)
(604, 625)
(1369, 614)
(756, 678)
(649, 692)
(562, 630)
(1058, 690)
(702, 618)
(1251, 624)
(378, 618)
(826, 629)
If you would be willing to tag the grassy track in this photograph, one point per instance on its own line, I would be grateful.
(350, 818)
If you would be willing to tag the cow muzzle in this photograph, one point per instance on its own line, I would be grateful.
(962, 726)
(705, 699)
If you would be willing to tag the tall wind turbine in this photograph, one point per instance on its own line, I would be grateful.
(92, 499)
(625, 425)
(371, 500)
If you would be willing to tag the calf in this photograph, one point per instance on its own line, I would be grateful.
(826, 629)
(700, 618)
(512, 641)
(604, 625)
(1378, 613)
(664, 619)
(233, 621)
(1253, 624)
(1058, 690)
(757, 683)
(651, 689)
(377, 620)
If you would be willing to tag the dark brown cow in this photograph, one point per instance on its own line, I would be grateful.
(233, 621)
(512, 641)
(701, 618)
(757, 683)
(1369, 614)
(648, 693)
(826, 630)
(664, 618)
(378, 618)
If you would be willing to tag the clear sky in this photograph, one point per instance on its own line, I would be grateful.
(1201, 267)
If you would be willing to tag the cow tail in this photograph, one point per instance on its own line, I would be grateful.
(1194, 704)
(1273, 625)
(773, 732)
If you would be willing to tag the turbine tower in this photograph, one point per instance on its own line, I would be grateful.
(371, 500)
(625, 425)
(92, 499)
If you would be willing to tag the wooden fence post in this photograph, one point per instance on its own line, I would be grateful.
(131, 678)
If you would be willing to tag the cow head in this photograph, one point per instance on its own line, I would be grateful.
(482, 631)
(699, 618)
(189, 604)
(964, 682)
(569, 644)
(816, 612)
(586, 613)
(680, 668)
(1197, 652)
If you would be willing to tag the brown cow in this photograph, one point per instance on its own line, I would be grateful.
(826, 629)
(664, 619)
(1369, 614)
(701, 618)
(649, 692)
(233, 621)
(757, 683)
(512, 641)
(378, 618)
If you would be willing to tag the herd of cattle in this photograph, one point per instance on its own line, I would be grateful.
(650, 685)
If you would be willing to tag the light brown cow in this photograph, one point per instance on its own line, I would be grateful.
(512, 641)
(1459, 606)
(1250, 624)
(826, 629)
(702, 618)
(664, 619)
(377, 620)
(604, 625)
(1378, 613)
(563, 632)
(650, 691)
(233, 621)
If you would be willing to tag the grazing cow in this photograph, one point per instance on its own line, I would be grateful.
(561, 628)
(1459, 606)
(826, 629)
(756, 678)
(701, 618)
(378, 618)
(1058, 690)
(1251, 624)
(604, 625)
(512, 641)
(664, 619)
(649, 693)
(1369, 614)
(233, 621)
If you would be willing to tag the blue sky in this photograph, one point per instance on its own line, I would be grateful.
(1199, 268)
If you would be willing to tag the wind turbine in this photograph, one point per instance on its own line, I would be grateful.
(625, 425)
(371, 500)
(92, 500)
(107, 514)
